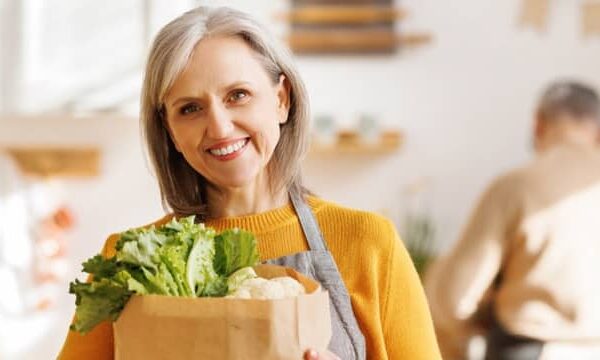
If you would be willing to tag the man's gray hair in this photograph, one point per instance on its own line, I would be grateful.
(569, 97)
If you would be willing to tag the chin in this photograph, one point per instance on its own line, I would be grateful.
(236, 181)
(232, 184)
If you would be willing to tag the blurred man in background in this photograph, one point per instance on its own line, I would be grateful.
(526, 271)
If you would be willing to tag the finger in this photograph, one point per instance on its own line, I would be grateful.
(311, 355)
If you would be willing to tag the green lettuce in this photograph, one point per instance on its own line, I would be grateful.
(180, 258)
(234, 249)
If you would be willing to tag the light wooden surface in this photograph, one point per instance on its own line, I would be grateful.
(350, 142)
(590, 18)
(53, 161)
(339, 41)
(409, 39)
(348, 28)
(352, 14)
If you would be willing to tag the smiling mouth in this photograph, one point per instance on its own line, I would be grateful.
(230, 149)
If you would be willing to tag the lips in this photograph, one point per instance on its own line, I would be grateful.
(228, 149)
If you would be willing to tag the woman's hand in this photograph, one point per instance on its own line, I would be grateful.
(313, 355)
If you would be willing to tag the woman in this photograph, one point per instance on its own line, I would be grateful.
(225, 117)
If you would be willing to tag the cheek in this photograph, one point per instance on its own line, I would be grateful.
(182, 135)
(271, 131)
(262, 120)
(264, 143)
(175, 140)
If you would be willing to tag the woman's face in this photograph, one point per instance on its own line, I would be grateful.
(224, 112)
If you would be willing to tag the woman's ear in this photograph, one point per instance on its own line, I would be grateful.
(283, 98)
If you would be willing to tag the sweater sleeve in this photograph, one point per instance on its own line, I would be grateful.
(95, 345)
(98, 344)
(407, 325)
(459, 285)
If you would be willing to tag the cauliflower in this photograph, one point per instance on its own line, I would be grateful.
(247, 285)
(237, 278)
(291, 287)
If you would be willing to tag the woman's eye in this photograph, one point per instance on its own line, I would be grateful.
(238, 95)
(188, 109)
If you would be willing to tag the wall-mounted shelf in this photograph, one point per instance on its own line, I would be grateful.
(55, 161)
(363, 26)
(342, 14)
(346, 41)
(350, 142)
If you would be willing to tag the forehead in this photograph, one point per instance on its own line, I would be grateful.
(217, 62)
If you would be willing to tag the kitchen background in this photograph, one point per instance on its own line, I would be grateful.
(456, 99)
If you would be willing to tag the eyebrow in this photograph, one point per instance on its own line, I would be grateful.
(236, 84)
(184, 100)
(225, 89)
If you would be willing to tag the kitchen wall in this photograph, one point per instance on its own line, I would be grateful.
(463, 101)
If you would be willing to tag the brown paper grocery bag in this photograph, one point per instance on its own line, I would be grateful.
(156, 327)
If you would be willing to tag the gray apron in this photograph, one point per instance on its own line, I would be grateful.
(347, 340)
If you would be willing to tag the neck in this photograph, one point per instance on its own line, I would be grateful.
(566, 130)
(568, 138)
(234, 202)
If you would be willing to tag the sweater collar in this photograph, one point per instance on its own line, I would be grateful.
(263, 222)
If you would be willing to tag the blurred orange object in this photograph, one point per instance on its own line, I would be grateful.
(63, 217)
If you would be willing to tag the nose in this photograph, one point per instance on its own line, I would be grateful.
(220, 122)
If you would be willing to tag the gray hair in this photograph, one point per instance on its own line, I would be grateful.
(183, 189)
(571, 97)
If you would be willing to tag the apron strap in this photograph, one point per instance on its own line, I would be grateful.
(326, 272)
(309, 224)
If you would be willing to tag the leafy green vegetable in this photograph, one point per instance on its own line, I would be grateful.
(180, 258)
(234, 249)
(200, 271)
(97, 301)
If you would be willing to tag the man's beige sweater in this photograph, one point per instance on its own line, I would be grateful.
(530, 252)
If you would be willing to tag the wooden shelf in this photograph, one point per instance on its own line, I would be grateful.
(414, 39)
(299, 3)
(350, 142)
(340, 15)
(365, 27)
(55, 161)
(351, 41)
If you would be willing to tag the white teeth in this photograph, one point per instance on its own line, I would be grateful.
(228, 149)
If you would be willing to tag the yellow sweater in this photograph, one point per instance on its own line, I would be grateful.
(386, 294)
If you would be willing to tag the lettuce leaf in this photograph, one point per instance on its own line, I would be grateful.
(234, 249)
(97, 301)
(180, 258)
